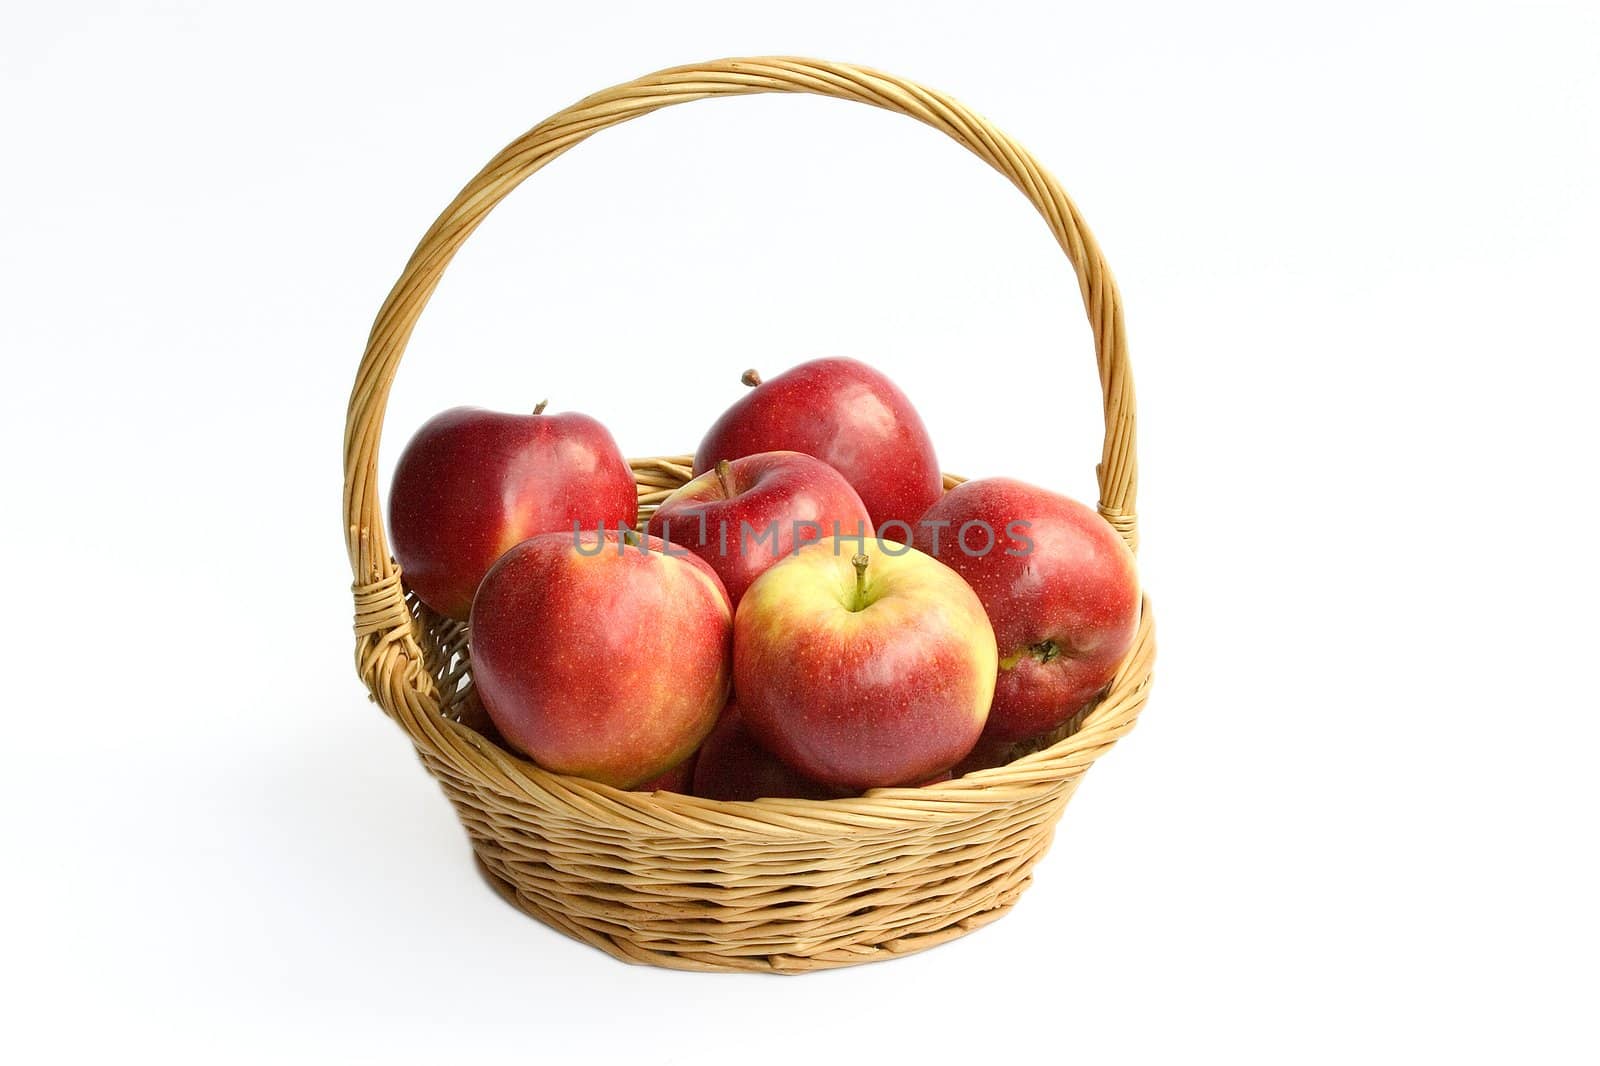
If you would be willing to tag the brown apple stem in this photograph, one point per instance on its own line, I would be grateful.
(630, 538)
(860, 563)
(725, 478)
(539, 407)
(750, 378)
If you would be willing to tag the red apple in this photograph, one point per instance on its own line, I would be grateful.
(677, 779)
(472, 483)
(602, 655)
(1060, 587)
(866, 668)
(732, 766)
(745, 515)
(849, 416)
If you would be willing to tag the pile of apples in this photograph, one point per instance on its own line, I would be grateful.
(810, 616)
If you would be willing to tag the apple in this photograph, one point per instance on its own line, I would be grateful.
(604, 655)
(849, 416)
(743, 516)
(472, 483)
(732, 766)
(863, 664)
(677, 779)
(1059, 585)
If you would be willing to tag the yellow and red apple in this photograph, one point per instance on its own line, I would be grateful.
(863, 665)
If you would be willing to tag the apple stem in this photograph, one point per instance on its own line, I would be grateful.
(630, 538)
(750, 378)
(725, 477)
(539, 407)
(860, 563)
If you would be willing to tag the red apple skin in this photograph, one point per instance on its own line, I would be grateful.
(852, 418)
(732, 766)
(611, 666)
(472, 483)
(858, 692)
(677, 779)
(802, 498)
(1064, 611)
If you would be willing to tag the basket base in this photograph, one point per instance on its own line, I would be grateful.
(780, 964)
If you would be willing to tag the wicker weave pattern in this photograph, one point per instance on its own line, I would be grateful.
(775, 885)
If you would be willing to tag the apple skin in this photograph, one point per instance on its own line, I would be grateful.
(852, 418)
(611, 666)
(677, 779)
(888, 684)
(732, 766)
(471, 483)
(803, 498)
(1064, 611)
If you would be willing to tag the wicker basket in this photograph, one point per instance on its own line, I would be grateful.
(775, 885)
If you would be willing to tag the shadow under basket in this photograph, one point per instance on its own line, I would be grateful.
(774, 885)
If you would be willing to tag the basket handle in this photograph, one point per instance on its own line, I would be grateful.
(379, 602)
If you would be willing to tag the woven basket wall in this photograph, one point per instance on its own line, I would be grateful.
(775, 885)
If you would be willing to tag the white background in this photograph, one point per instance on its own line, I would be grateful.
(1357, 246)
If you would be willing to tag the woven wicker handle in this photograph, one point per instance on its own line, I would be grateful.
(375, 574)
